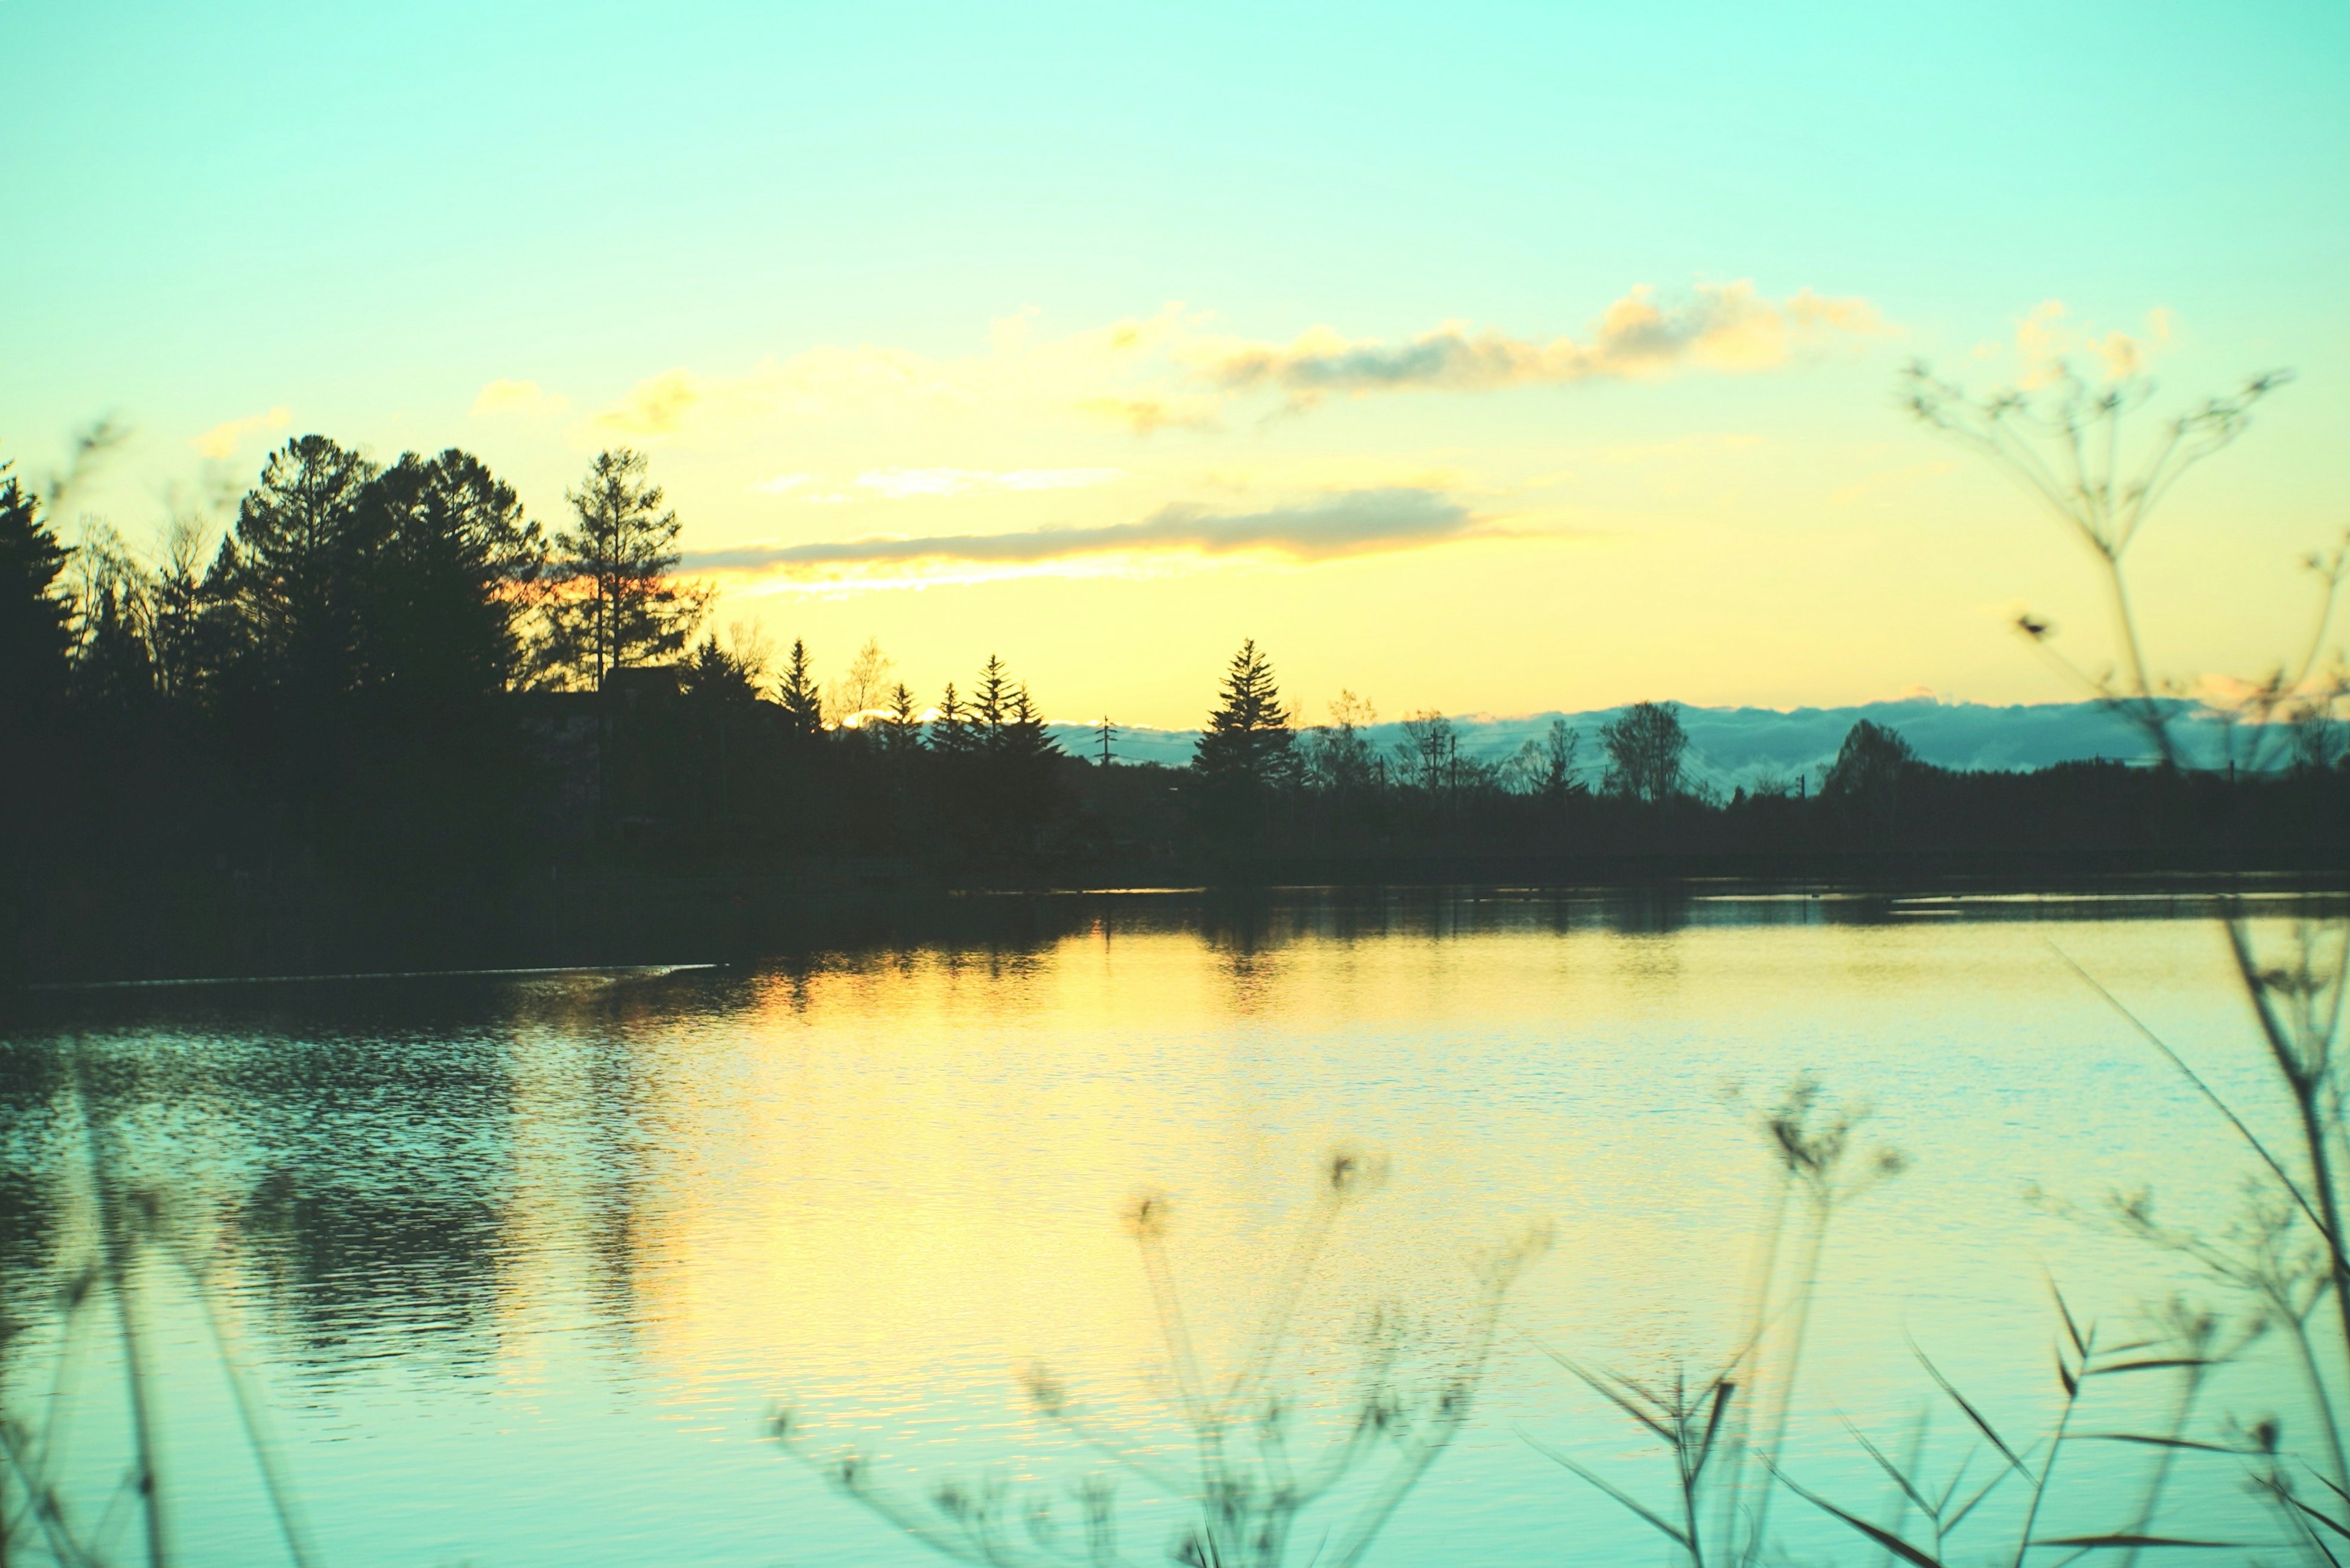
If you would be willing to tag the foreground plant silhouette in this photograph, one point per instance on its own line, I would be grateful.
(2065, 445)
(1990, 1498)
(1256, 1469)
(1726, 1428)
(45, 1519)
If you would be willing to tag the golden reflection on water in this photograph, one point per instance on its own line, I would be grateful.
(907, 1167)
(877, 1185)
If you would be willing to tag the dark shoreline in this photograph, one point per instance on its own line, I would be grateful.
(234, 928)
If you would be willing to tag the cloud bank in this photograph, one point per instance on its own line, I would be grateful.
(1722, 326)
(1170, 372)
(1350, 523)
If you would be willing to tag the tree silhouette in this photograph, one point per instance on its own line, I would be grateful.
(185, 659)
(624, 605)
(950, 730)
(114, 662)
(1006, 788)
(1870, 764)
(1020, 740)
(457, 570)
(864, 687)
(716, 675)
(34, 617)
(901, 731)
(1644, 745)
(287, 585)
(1545, 767)
(1248, 736)
(796, 690)
(990, 701)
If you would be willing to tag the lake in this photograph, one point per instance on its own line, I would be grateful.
(516, 1269)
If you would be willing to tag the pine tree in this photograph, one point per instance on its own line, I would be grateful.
(1021, 739)
(1248, 738)
(990, 701)
(796, 690)
(902, 730)
(951, 733)
(35, 618)
(1245, 754)
(295, 573)
(457, 568)
(624, 606)
(720, 677)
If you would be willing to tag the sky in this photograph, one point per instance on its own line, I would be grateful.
(1477, 358)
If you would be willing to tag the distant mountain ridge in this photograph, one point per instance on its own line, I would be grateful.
(1731, 748)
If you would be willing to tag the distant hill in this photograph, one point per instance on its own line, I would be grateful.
(1730, 747)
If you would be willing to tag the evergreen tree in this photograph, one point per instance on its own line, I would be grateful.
(291, 581)
(36, 619)
(621, 604)
(996, 769)
(1021, 739)
(991, 703)
(455, 574)
(1246, 752)
(801, 697)
(950, 732)
(721, 676)
(902, 730)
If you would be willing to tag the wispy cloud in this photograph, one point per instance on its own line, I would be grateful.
(1720, 326)
(917, 483)
(1147, 415)
(224, 438)
(1170, 371)
(825, 381)
(898, 484)
(504, 397)
(1349, 523)
(658, 406)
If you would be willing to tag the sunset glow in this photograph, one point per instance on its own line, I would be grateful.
(1505, 368)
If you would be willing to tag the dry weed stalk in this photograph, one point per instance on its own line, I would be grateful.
(1726, 1429)
(40, 1523)
(2065, 445)
(1255, 1472)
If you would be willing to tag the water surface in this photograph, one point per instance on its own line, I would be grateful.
(518, 1267)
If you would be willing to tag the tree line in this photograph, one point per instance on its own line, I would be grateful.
(390, 672)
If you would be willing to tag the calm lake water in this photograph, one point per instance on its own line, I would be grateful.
(515, 1269)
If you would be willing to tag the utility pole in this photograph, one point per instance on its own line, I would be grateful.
(1105, 732)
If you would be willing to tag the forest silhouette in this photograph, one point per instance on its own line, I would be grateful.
(391, 719)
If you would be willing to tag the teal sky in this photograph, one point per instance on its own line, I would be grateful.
(365, 216)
